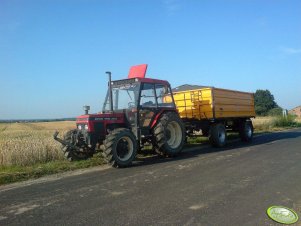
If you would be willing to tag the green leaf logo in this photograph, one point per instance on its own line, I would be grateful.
(282, 214)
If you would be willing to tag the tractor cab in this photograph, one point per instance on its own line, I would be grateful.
(140, 99)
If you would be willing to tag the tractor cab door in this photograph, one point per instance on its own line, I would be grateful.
(125, 99)
(147, 107)
(153, 98)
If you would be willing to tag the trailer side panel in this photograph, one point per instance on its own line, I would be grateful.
(214, 103)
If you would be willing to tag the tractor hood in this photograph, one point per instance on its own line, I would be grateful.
(100, 117)
(92, 121)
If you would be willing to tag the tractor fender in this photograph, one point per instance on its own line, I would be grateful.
(163, 111)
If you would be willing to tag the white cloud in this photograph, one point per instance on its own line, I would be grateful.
(287, 50)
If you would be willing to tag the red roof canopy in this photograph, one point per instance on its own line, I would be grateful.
(138, 71)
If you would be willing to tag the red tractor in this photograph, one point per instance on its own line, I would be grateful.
(136, 111)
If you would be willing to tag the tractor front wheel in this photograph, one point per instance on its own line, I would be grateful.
(120, 147)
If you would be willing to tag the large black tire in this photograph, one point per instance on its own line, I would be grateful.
(120, 147)
(70, 153)
(217, 135)
(169, 135)
(246, 131)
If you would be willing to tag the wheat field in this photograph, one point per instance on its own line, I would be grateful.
(25, 144)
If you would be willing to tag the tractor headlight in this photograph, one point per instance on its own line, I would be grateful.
(86, 127)
(79, 127)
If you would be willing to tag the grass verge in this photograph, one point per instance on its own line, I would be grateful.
(10, 174)
(289, 121)
(279, 123)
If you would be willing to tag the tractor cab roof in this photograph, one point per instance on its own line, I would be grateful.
(137, 74)
(141, 80)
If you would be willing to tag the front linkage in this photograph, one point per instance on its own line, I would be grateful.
(74, 145)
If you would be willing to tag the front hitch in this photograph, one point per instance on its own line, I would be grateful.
(73, 146)
(63, 142)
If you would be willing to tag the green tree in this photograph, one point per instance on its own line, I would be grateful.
(264, 102)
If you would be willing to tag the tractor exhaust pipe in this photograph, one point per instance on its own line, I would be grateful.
(86, 109)
(110, 90)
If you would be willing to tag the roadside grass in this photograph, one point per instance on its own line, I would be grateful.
(289, 121)
(279, 123)
(10, 174)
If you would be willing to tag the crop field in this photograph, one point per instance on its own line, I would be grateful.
(25, 144)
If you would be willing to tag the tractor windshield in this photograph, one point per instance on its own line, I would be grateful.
(125, 96)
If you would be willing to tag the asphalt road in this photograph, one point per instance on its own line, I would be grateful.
(204, 186)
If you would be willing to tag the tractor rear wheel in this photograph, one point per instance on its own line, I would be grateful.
(246, 131)
(169, 135)
(120, 147)
(72, 154)
(217, 135)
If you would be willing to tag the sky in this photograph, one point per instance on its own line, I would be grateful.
(54, 53)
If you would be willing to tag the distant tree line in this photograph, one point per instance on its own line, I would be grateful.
(36, 120)
(265, 103)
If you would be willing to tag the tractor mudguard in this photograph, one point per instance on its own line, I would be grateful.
(157, 117)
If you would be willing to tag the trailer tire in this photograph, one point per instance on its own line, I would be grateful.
(169, 135)
(246, 130)
(70, 153)
(120, 147)
(218, 135)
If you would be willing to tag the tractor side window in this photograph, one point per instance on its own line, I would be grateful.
(148, 98)
(164, 98)
(124, 96)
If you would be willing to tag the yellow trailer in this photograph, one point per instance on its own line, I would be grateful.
(214, 103)
(211, 112)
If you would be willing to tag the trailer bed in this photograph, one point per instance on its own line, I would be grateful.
(214, 103)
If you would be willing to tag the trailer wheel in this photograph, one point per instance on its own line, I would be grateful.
(120, 147)
(217, 135)
(70, 153)
(246, 131)
(169, 135)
